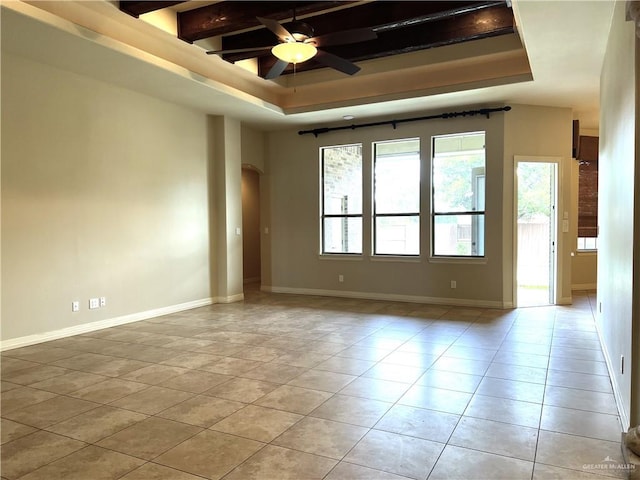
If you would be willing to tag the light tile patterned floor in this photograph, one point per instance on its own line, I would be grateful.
(295, 387)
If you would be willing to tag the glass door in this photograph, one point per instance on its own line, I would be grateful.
(536, 233)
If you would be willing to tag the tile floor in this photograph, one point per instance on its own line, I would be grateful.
(292, 387)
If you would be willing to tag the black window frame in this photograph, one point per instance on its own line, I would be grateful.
(324, 216)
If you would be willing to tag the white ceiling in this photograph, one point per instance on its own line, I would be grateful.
(565, 42)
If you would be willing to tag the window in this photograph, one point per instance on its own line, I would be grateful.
(341, 199)
(588, 204)
(458, 195)
(587, 243)
(396, 209)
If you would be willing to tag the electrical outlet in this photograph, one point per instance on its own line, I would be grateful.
(341, 278)
(453, 284)
(75, 306)
(103, 301)
(94, 303)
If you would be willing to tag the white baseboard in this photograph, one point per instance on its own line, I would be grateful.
(623, 415)
(584, 286)
(230, 299)
(564, 301)
(101, 324)
(461, 302)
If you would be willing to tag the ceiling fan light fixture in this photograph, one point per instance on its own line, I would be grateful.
(294, 52)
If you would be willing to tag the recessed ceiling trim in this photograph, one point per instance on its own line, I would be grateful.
(564, 40)
(115, 29)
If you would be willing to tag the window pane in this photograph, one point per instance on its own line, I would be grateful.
(397, 235)
(458, 235)
(342, 179)
(458, 180)
(342, 235)
(587, 243)
(458, 173)
(397, 191)
(397, 177)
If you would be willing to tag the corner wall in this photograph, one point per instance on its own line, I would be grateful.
(617, 242)
(104, 193)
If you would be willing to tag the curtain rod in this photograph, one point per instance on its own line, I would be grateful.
(470, 113)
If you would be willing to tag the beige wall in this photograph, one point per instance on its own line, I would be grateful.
(618, 166)
(104, 193)
(539, 133)
(584, 271)
(253, 148)
(226, 194)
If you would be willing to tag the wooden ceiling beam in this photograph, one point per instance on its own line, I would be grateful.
(381, 16)
(230, 16)
(489, 22)
(137, 8)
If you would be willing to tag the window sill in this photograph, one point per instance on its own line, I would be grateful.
(396, 258)
(354, 257)
(460, 260)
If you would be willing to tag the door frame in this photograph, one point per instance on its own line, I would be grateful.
(555, 226)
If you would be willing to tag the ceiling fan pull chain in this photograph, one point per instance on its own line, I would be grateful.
(294, 78)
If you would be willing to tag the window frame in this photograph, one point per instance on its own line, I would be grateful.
(374, 209)
(581, 245)
(474, 214)
(324, 216)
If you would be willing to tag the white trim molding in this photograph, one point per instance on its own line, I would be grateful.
(230, 299)
(101, 324)
(623, 414)
(394, 297)
(564, 301)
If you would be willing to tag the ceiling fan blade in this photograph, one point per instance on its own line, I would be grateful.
(238, 50)
(346, 36)
(279, 31)
(276, 70)
(338, 63)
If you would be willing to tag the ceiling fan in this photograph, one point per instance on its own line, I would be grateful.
(299, 45)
